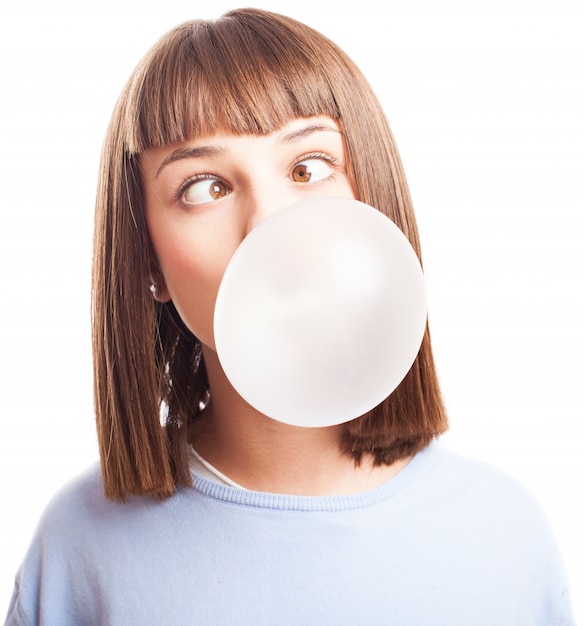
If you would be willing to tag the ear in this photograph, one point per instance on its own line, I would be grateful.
(158, 288)
(156, 282)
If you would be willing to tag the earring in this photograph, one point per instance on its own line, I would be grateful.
(159, 293)
(204, 401)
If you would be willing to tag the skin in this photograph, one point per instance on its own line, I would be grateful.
(202, 197)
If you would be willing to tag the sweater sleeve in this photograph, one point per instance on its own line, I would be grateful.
(53, 565)
(17, 615)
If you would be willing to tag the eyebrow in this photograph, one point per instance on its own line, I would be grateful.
(196, 152)
(301, 133)
(200, 152)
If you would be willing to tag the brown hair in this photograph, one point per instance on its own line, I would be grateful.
(251, 71)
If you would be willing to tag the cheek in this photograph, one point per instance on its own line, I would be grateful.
(343, 188)
(192, 262)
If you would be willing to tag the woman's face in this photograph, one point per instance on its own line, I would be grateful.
(204, 196)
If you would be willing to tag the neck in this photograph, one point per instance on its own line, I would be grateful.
(265, 455)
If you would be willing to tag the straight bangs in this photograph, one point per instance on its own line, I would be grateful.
(237, 77)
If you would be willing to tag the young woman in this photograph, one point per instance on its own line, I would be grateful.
(206, 511)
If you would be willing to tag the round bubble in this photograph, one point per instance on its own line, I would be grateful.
(320, 313)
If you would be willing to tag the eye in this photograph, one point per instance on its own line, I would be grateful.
(205, 190)
(312, 170)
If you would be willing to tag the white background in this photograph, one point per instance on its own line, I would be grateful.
(486, 99)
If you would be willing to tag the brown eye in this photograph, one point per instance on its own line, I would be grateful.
(206, 190)
(301, 174)
(312, 170)
(217, 190)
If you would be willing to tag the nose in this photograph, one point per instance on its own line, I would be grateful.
(265, 200)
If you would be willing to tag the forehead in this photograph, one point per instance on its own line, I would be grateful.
(212, 146)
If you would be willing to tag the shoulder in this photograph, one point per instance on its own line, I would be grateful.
(484, 522)
(80, 511)
(469, 496)
(477, 502)
(78, 508)
(453, 473)
(48, 563)
(82, 542)
(80, 524)
(82, 496)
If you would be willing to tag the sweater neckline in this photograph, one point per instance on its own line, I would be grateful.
(285, 502)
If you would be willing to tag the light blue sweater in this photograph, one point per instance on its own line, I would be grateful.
(448, 541)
